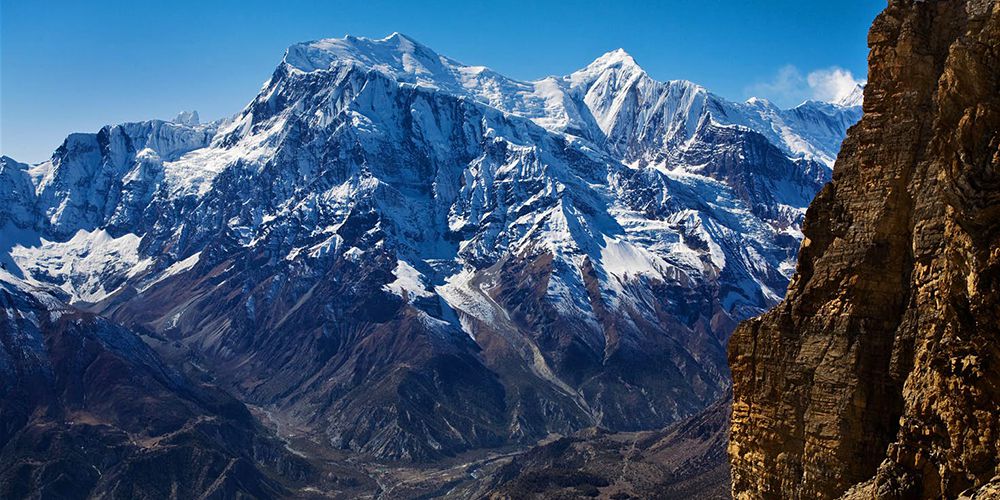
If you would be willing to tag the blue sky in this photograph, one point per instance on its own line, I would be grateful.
(70, 66)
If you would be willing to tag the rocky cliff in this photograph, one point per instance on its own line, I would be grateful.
(877, 376)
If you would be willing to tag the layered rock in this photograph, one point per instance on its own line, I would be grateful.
(877, 376)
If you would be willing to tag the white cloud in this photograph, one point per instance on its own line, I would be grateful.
(787, 84)
(789, 87)
(832, 84)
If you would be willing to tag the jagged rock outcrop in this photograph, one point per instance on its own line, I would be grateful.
(877, 376)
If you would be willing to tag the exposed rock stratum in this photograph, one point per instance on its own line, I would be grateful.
(877, 376)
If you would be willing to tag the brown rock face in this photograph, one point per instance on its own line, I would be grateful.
(879, 375)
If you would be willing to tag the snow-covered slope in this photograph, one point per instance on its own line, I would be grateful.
(611, 99)
(100, 179)
(384, 230)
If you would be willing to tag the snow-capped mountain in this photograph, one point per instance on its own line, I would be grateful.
(412, 257)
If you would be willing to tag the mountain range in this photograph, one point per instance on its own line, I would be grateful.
(394, 255)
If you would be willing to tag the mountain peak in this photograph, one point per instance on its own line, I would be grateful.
(616, 61)
(854, 98)
(189, 118)
(617, 58)
(395, 54)
(618, 54)
(759, 102)
(397, 36)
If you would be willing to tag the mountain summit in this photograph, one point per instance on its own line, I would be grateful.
(396, 55)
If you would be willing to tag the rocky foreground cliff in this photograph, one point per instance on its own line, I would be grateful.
(877, 376)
